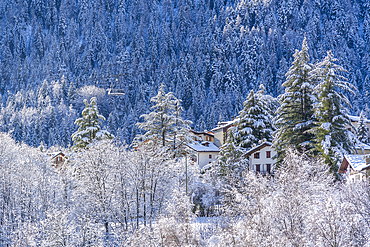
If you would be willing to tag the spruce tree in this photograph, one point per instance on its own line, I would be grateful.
(255, 120)
(361, 130)
(295, 115)
(89, 126)
(332, 139)
(231, 162)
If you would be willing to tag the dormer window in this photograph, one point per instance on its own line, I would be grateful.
(206, 144)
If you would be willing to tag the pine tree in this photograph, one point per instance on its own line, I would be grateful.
(255, 120)
(89, 126)
(332, 138)
(361, 130)
(295, 115)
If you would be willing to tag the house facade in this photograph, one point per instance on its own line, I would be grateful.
(57, 158)
(261, 158)
(220, 132)
(205, 152)
(355, 167)
(203, 136)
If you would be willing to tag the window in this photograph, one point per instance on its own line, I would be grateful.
(257, 155)
(258, 168)
(268, 166)
(210, 156)
(268, 154)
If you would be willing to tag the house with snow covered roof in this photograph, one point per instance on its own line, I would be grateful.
(57, 158)
(261, 158)
(205, 152)
(220, 132)
(355, 167)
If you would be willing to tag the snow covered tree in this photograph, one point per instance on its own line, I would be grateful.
(332, 139)
(158, 123)
(255, 120)
(362, 130)
(89, 126)
(231, 162)
(181, 128)
(176, 227)
(295, 114)
(164, 126)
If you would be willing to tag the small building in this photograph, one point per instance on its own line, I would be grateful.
(203, 136)
(261, 158)
(355, 167)
(205, 153)
(57, 158)
(220, 132)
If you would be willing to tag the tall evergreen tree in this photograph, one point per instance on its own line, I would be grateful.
(255, 120)
(164, 126)
(332, 139)
(295, 115)
(362, 130)
(89, 126)
(231, 162)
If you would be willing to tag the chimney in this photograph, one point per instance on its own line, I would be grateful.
(232, 118)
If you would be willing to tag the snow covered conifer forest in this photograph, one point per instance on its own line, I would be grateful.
(290, 71)
(210, 53)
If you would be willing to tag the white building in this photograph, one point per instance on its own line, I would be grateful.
(355, 167)
(205, 153)
(261, 158)
(220, 132)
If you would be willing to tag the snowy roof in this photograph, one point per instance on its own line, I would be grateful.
(55, 154)
(362, 146)
(357, 162)
(221, 125)
(259, 147)
(202, 133)
(201, 147)
(357, 119)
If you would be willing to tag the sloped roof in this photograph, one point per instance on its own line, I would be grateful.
(200, 147)
(357, 119)
(202, 133)
(257, 148)
(362, 146)
(55, 154)
(225, 124)
(357, 162)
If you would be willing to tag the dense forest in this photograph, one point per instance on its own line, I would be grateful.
(210, 53)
